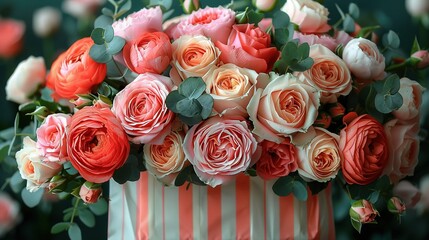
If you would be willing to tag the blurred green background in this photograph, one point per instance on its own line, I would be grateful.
(36, 223)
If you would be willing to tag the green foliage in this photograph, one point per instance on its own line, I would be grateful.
(249, 16)
(86, 217)
(294, 57)
(187, 174)
(74, 232)
(283, 29)
(354, 10)
(31, 199)
(130, 171)
(415, 47)
(291, 184)
(99, 208)
(391, 40)
(60, 227)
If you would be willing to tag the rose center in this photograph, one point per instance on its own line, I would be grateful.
(204, 19)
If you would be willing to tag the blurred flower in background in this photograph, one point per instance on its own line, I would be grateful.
(11, 32)
(46, 21)
(81, 8)
(9, 213)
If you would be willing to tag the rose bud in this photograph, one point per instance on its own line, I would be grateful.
(362, 211)
(90, 192)
(264, 5)
(337, 111)
(396, 205)
(323, 120)
(56, 184)
(190, 5)
(423, 56)
(83, 101)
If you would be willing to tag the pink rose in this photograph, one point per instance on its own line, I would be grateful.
(33, 167)
(341, 37)
(81, 8)
(150, 52)
(312, 39)
(96, 144)
(309, 15)
(220, 148)
(214, 23)
(329, 74)
(90, 192)
(277, 160)
(411, 92)
(404, 145)
(193, 56)
(363, 211)
(27, 77)
(231, 88)
(364, 59)
(9, 213)
(12, 33)
(165, 160)
(145, 20)
(365, 149)
(249, 47)
(285, 106)
(408, 193)
(319, 159)
(51, 137)
(141, 109)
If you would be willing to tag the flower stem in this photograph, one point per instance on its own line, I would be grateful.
(5, 184)
(120, 72)
(74, 211)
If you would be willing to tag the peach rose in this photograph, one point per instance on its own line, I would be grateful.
(285, 106)
(408, 193)
(46, 21)
(145, 20)
(313, 39)
(320, 159)
(214, 23)
(364, 145)
(9, 214)
(194, 56)
(404, 145)
(96, 144)
(277, 160)
(89, 192)
(150, 52)
(33, 167)
(12, 33)
(141, 109)
(329, 73)
(364, 59)
(165, 160)
(309, 15)
(51, 137)
(231, 88)
(249, 47)
(74, 71)
(363, 211)
(411, 92)
(220, 148)
(27, 77)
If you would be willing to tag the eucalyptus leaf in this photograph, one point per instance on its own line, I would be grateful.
(303, 65)
(60, 227)
(99, 208)
(107, 12)
(391, 84)
(108, 33)
(102, 21)
(206, 101)
(391, 40)
(97, 35)
(300, 190)
(4, 149)
(254, 17)
(281, 36)
(115, 46)
(124, 8)
(348, 24)
(74, 232)
(190, 120)
(354, 10)
(192, 87)
(99, 54)
(172, 98)
(374, 196)
(380, 104)
(303, 50)
(86, 217)
(189, 107)
(16, 182)
(283, 186)
(280, 20)
(31, 199)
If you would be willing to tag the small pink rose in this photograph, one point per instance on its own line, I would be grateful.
(313, 39)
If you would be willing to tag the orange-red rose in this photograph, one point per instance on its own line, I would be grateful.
(74, 71)
(364, 145)
(96, 143)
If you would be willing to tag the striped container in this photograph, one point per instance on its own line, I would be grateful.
(244, 209)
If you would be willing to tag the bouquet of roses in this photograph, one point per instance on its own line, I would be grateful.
(267, 88)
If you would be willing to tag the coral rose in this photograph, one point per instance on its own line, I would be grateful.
(309, 15)
(96, 144)
(12, 33)
(249, 47)
(28, 76)
(51, 137)
(364, 145)
(320, 159)
(74, 71)
(231, 88)
(411, 92)
(285, 106)
(150, 52)
(141, 109)
(214, 23)
(220, 148)
(277, 159)
(165, 160)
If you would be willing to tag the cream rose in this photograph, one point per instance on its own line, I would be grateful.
(411, 92)
(309, 15)
(285, 106)
(27, 77)
(194, 56)
(320, 159)
(231, 88)
(165, 160)
(329, 73)
(33, 168)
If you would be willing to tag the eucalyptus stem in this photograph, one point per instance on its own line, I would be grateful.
(119, 70)
(344, 187)
(74, 211)
(5, 184)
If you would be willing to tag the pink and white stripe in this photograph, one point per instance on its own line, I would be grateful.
(244, 209)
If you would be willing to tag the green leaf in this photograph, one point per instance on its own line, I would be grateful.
(300, 191)
(303, 51)
(31, 199)
(192, 87)
(115, 46)
(206, 101)
(394, 102)
(99, 54)
(391, 84)
(280, 66)
(354, 10)
(283, 186)
(107, 12)
(69, 168)
(124, 8)
(316, 187)
(391, 40)
(108, 33)
(128, 172)
(16, 182)
(254, 17)
(97, 35)
(374, 196)
(74, 232)
(356, 225)
(172, 98)
(281, 36)
(86, 217)
(60, 227)
(302, 65)
(99, 208)
(280, 20)
(349, 24)
(380, 104)
(102, 21)
(189, 107)
(27, 107)
(366, 31)
(415, 47)
(47, 95)
(289, 51)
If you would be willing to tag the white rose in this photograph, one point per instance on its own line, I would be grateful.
(364, 59)
(417, 8)
(309, 15)
(411, 92)
(46, 21)
(25, 80)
